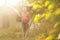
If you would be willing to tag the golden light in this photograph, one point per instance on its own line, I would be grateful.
(2, 2)
(10, 2)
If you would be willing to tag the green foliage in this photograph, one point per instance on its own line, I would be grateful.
(37, 17)
(47, 3)
(50, 37)
(51, 6)
(36, 6)
(50, 15)
(57, 12)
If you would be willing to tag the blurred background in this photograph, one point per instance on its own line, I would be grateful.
(44, 22)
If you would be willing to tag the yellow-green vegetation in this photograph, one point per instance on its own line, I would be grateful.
(49, 18)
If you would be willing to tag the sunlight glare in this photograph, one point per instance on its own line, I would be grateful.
(2, 2)
(11, 2)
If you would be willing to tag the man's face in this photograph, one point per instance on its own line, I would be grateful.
(25, 17)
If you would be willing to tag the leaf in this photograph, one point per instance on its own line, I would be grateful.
(57, 23)
(47, 3)
(42, 15)
(57, 12)
(48, 14)
(51, 6)
(51, 37)
(36, 18)
(36, 6)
